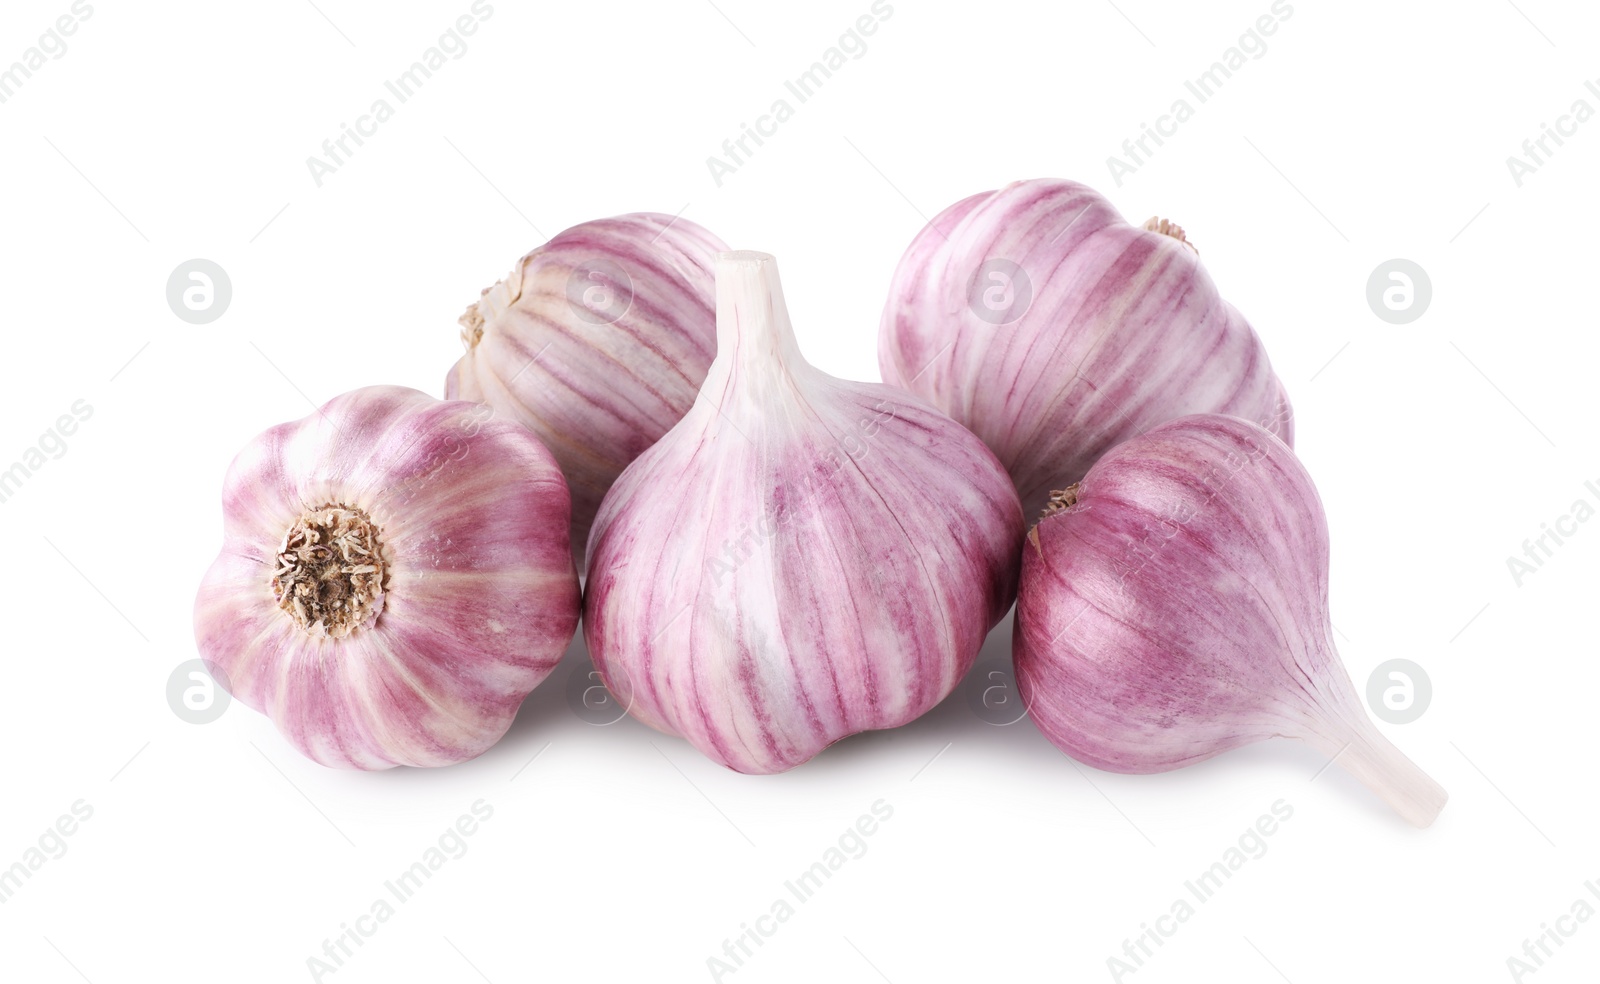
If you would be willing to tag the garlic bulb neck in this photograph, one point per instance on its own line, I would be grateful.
(1362, 751)
(494, 301)
(331, 571)
(1060, 501)
(471, 327)
(754, 333)
(1063, 499)
(1167, 227)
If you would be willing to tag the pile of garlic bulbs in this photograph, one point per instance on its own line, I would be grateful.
(775, 559)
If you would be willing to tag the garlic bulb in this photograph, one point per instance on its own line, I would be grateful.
(801, 558)
(1055, 330)
(597, 342)
(1175, 605)
(395, 577)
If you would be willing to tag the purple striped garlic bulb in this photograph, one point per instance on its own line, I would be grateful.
(597, 341)
(801, 558)
(1175, 605)
(395, 577)
(1055, 330)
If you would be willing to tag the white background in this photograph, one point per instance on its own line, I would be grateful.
(1367, 131)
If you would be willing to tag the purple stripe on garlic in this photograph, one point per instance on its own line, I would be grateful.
(1174, 605)
(597, 342)
(395, 577)
(801, 558)
(1054, 330)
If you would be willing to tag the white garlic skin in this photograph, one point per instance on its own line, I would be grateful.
(477, 598)
(597, 341)
(801, 558)
(1055, 330)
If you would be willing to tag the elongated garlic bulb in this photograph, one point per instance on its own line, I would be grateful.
(1055, 330)
(597, 341)
(395, 577)
(801, 558)
(1175, 605)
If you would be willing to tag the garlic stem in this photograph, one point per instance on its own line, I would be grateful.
(753, 328)
(1167, 227)
(1061, 499)
(1370, 757)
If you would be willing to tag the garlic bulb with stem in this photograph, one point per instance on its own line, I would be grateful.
(597, 342)
(1174, 605)
(1055, 330)
(801, 558)
(395, 577)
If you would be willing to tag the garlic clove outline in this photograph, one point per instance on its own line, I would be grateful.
(1054, 329)
(1174, 605)
(597, 341)
(801, 558)
(395, 577)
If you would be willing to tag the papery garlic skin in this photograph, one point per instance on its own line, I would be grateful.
(1175, 605)
(801, 558)
(1055, 330)
(448, 524)
(597, 341)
